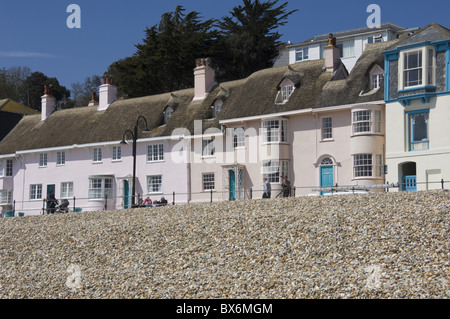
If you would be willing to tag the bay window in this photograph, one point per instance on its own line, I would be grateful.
(100, 187)
(275, 131)
(367, 122)
(367, 165)
(417, 68)
(274, 170)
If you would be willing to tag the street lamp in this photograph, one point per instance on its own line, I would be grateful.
(141, 123)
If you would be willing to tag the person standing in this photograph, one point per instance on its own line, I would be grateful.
(266, 188)
(51, 202)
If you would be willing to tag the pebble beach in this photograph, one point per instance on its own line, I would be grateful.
(361, 246)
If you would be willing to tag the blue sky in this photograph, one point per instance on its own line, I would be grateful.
(35, 34)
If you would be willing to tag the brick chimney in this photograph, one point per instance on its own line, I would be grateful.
(48, 102)
(204, 76)
(93, 100)
(332, 54)
(107, 93)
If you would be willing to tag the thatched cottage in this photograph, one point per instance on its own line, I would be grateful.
(311, 122)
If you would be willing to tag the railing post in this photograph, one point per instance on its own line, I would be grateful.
(173, 198)
(211, 195)
(295, 189)
(106, 202)
(74, 207)
(14, 207)
(251, 193)
(43, 207)
(442, 183)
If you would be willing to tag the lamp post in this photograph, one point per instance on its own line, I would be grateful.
(141, 122)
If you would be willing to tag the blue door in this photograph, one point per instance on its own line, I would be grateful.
(126, 194)
(232, 185)
(326, 177)
(409, 183)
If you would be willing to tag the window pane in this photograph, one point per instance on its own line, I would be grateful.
(327, 131)
(154, 184)
(363, 165)
(208, 181)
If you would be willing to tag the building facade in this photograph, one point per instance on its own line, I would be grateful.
(351, 43)
(418, 110)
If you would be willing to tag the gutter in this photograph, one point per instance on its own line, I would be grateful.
(300, 112)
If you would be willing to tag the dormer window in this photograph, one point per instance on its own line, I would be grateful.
(416, 68)
(286, 90)
(376, 77)
(167, 114)
(217, 107)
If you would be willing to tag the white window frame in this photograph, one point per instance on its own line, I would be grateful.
(217, 107)
(43, 160)
(275, 131)
(35, 192)
(116, 154)
(346, 48)
(238, 137)
(168, 114)
(367, 166)
(100, 186)
(60, 158)
(301, 54)
(327, 128)
(67, 190)
(154, 182)
(208, 180)
(5, 197)
(155, 153)
(97, 155)
(427, 68)
(362, 121)
(273, 170)
(208, 148)
(367, 121)
(6, 168)
(287, 88)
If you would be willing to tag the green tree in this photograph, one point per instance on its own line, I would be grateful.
(250, 37)
(34, 89)
(12, 83)
(82, 92)
(166, 58)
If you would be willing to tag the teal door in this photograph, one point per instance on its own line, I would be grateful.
(326, 177)
(126, 195)
(49, 188)
(232, 185)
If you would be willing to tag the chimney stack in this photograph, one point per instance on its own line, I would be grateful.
(108, 93)
(204, 76)
(48, 102)
(93, 100)
(332, 54)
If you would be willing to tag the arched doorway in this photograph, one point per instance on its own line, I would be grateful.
(408, 173)
(326, 173)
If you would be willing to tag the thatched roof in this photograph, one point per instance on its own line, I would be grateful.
(252, 96)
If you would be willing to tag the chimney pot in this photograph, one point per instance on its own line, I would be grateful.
(107, 94)
(48, 102)
(204, 78)
(332, 54)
